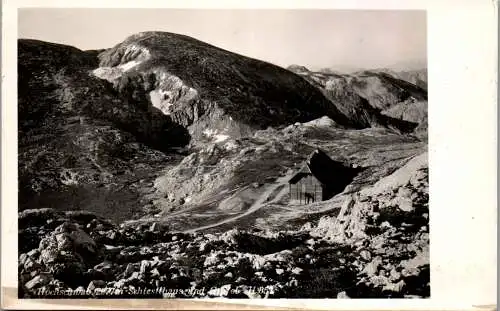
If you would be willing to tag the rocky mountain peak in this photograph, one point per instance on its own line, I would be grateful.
(202, 87)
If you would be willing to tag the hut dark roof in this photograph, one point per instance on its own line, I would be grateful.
(321, 166)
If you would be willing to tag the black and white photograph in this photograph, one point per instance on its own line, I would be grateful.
(252, 155)
(196, 153)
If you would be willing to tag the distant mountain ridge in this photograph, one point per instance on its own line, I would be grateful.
(379, 97)
(417, 77)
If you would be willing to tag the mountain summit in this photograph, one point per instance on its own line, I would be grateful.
(211, 90)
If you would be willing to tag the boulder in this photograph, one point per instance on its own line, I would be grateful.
(68, 252)
(394, 287)
(404, 204)
(49, 255)
(411, 271)
(250, 293)
(418, 178)
(404, 192)
(70, 235)
(34, 253)
(22, 259)
(39, 281)
(104, 266)
(120, 283)
(394, 275)
(36, 217)
(343, 295)
(297, 270)
(365, 255)
(155, 273)
(80, 289)
(95, 284)
(128, 270)
(31, 265)
(144, 267)
(372, 267)
(377, 281)
(155, 227)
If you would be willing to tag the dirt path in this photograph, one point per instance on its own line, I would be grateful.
(316, 208)
(261, 201)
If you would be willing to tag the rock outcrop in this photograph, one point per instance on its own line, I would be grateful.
(388, 225)
(376, 98)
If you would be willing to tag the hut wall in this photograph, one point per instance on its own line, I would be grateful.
(307, 190)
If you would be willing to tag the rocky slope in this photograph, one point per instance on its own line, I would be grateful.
(225, 179)
(381, 98)
(417, 77)
(82, 145)
(87, 143)
(205, 88)
(378, 246)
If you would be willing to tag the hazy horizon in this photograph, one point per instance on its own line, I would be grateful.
(339, 39)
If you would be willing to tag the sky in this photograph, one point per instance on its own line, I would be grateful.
(341, 39)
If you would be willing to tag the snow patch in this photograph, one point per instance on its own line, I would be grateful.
(321, 122)
(135, 54)
(220, 138)
(215, 135)
(129, 65)
(171, 90)
(107, 73)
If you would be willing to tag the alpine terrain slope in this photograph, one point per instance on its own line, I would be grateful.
(160, 168)
(380, 96)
